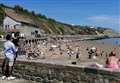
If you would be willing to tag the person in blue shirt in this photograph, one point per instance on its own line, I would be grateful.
(10, 55)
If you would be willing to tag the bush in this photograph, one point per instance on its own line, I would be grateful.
(2, 33)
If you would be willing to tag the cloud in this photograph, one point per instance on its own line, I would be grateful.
(105, 18)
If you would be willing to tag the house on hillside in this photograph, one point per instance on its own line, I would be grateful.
(14, 23)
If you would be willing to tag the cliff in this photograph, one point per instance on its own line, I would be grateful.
(48, 25)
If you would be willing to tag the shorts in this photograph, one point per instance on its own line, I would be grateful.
(9, 61)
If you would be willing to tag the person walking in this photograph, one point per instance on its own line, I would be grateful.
(10, 54)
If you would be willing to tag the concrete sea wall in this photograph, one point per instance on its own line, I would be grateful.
(51, 73)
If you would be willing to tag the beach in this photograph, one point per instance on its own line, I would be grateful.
(53, 58)
(60, 49)
(83, 46)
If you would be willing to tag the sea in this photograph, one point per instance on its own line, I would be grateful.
(114, 41)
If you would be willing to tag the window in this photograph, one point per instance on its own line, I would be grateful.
(5, 27)
(14, 26)
(8, 26)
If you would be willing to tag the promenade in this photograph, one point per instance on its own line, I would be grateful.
(17, 81)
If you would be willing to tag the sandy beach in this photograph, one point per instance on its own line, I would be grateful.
(84, 46)
(59, 51)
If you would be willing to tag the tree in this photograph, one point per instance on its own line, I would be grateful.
(25, 10)
(2, 32)
(51, 20)
(42, 16)
(18, 8)
(33, 13)
(2, 5)
(1, 16)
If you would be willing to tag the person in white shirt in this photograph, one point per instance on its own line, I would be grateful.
(10, 55)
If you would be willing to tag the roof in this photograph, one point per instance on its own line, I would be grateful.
(14, 30)
(17, 17)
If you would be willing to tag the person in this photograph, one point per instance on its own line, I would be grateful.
(77, 53)
(119, 62)
(16, 43)
(92, 53)
(112, 61)
(9, 54)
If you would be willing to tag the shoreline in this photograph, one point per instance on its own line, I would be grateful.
(80, 37)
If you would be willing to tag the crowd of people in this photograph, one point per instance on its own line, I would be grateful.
(38, 49)
(35, 50)
(111, 62)
(44, 49)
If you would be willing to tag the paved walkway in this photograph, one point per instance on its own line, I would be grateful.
(16, 81)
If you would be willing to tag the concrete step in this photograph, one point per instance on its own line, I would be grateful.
(16, 81)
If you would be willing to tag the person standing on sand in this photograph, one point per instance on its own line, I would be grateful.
(92, 53)
(10, 55)
(77, 53)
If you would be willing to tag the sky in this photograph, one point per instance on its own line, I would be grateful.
(104, 13)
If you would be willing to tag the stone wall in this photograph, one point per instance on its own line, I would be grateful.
(26, 29)
(51, 73)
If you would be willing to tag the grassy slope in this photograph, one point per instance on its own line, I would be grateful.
(50, 26)
(1, 15)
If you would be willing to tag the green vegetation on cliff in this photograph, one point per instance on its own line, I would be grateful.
(1, 15)
(49, 25)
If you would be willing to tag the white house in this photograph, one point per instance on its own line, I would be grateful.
(18, 23)
(10, 24)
